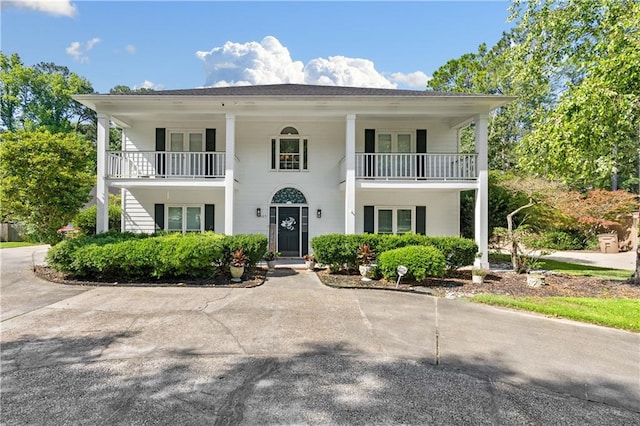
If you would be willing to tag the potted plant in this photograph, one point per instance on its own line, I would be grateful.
(310, 261)
(238, 260)
(366, 257)
(478, 274)
(270, 257)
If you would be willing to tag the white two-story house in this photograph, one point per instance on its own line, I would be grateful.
(293, 161)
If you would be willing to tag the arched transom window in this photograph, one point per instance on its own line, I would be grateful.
(288, 196)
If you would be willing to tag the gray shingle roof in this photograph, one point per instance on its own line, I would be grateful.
(297, 90)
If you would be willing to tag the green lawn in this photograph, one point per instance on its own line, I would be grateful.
(574, 268)
(16, 244)
(617, 313)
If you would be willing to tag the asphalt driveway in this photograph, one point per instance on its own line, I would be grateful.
(295, 352)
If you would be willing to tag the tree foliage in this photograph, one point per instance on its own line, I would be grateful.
(574, 67)
(597, 210)
(592, 50)
(40, 96)
(45, 178)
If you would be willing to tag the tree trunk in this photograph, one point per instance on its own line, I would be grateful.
(515, 261)
(513, 242)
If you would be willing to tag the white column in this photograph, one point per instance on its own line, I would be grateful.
(482, 193)
(102, 192)
(350, 181)
(230, 142)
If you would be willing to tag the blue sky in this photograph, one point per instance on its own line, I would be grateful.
(171, 45)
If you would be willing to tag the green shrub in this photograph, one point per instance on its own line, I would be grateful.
(458, 252)
(337, 250)
(60, 256)
(421, 262)
(141, 256)
(331, 249)
(561, 240)
(86, 219)
(254, 246)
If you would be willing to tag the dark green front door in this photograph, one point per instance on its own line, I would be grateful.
(289, 231)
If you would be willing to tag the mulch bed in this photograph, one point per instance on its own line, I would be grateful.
(250, 279)
(457, 285)
(503, 283)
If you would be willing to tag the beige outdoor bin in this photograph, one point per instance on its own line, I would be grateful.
(608, 243)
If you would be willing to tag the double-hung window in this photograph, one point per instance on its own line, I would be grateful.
(289, 151)
(394, 220)
(185, 218)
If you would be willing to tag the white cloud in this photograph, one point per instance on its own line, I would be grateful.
(149, 85)
(269, 62)
(343, 71)
(52, 7)
(416, 79)
(130, 48)
(79, 52)
(236, 64)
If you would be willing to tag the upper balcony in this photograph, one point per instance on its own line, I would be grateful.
(165, 164)
(410, 170)
(413, 166)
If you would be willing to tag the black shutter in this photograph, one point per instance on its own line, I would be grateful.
(161, 145)
(369, 213)
(161, 139)
(210, 140)
(210, 146)
(209, 217)
(421, 148)
(421, 220)
(273, 154)
(370, 148)
(159, 216)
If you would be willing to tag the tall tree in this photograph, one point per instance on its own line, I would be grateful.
(40, 96)
(45, 178)
(590, 49)
(487, 72)
(574, 67)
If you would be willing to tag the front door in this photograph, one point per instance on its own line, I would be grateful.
(289, 231)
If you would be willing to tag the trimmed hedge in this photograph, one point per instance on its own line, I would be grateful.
(337, 250)
(142, 256)
(421, 262)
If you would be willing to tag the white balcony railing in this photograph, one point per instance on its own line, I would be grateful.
(416, 166)
(144, 164)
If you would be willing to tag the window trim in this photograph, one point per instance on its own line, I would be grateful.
(186, 132)
(394, 218)
(394, 140)
(303, 152)
(184, 217)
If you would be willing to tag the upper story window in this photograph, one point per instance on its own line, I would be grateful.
(289, 151)
(400, 142)
(185, 141)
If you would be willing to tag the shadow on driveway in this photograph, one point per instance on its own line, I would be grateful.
(65, 381)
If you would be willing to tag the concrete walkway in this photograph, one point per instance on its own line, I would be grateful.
(296, 352)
